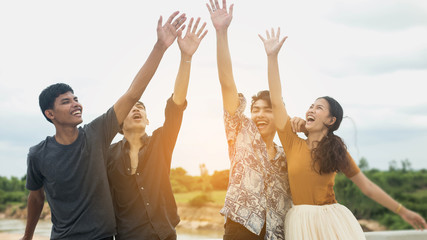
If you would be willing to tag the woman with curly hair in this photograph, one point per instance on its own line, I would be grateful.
(314, 162)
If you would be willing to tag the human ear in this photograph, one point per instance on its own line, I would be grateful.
(332, 121)
(49, 114)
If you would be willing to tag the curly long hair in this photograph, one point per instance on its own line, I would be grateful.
(330, 155)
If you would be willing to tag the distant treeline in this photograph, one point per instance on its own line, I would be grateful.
(404, 184)
(12, 191)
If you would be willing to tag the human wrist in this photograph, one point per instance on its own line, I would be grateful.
(161, 46)
(400, 209)
(272, 57)
(221, 31)
(186, 58)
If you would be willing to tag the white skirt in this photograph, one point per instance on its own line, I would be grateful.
(324, 222)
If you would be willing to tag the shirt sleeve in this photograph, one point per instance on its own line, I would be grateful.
(287, 136)
(233, 123)
(352, 168)
(34, 176)
(106, 126)
(172, 125)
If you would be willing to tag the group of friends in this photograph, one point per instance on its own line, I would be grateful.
(98, 190)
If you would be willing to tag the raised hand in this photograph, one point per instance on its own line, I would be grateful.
(272, 44)
(167, 33)
(221, 19)
(190, 42)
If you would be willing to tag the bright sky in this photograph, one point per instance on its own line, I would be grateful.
(369, 55)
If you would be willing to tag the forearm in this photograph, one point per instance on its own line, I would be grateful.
(225, 73)
(279, 110)
(381, 197)
(182, 79)
(35, 207)
(146, 73)
(140, 82)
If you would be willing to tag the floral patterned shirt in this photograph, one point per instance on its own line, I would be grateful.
(258, 189)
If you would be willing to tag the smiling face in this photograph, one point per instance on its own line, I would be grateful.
(318, 116)
(136, 120)
(263, 117)
(66, 111)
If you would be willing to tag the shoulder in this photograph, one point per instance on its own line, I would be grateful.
(38, 148)
(110, 114)
(115, 147)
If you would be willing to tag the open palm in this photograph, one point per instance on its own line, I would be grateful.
(221, 19)
(167, 33)
(190, 42)
(272, 44)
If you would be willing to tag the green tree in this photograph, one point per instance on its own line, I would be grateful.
(219, 179)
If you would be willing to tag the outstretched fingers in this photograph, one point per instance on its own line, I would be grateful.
(204, 33)
(172, 17)
(267, 34)
(217, 4)
(190, 25)
(283, 40)
(159, 22)
(196, 25)
(179, 21)
(211, 7)
(201, 29)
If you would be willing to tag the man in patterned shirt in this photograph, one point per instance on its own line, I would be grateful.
(257, 198)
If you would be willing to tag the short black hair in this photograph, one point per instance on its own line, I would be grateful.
(261, 95)
(48, 95)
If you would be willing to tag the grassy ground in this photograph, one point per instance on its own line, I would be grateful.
(217, 196)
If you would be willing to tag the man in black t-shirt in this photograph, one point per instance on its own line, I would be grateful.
(139, 165)
(70, 167)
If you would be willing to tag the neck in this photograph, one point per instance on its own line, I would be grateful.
(315, 137)
(268, 140)
(66, 135)
(134, 138)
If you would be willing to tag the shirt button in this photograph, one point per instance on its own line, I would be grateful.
(148, 204)
(128, 169)
(137, 173)
(142, 188)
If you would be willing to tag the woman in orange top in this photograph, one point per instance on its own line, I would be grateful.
(314, 162)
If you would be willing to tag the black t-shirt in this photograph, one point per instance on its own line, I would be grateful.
(144, 202)
(75, 180)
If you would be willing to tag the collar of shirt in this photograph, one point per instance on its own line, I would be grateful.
(125, 148)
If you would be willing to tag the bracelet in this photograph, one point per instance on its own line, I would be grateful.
(398, 208)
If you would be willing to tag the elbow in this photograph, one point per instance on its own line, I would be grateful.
(37, 197)
(133, 96)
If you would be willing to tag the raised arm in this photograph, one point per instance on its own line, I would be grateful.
(188, 46)
(374, 192)
(272, 45)
(35, 207)
(166, 35)
(221, 19)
